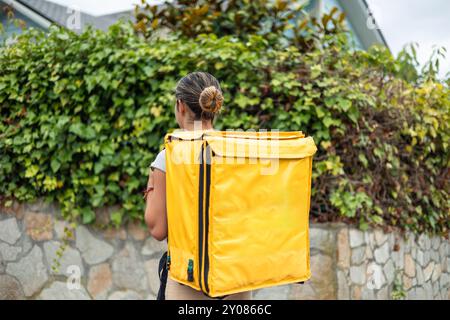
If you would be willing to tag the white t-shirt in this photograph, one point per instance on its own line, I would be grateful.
(160, 161)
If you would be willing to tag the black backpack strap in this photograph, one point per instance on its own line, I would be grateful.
(162, 272)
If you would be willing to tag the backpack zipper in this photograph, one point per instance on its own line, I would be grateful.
(207, 187)
(203, 215)
(200, 217)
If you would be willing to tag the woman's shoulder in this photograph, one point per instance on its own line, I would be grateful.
(162, 153)
(160, 161)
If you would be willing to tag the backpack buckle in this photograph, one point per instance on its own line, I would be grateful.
(190, 270)
(168, 262)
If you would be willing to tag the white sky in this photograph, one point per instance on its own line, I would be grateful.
(426, 22)
(100, 7)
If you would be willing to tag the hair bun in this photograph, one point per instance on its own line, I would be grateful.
(211, 99)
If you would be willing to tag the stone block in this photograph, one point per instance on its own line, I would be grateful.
(389, 271)
(9, 253)
(436, 272)
(125, 295)
(410, 268)
(382, 253)
(407, 283)
(420, 258)
(358, 255)
(10, 288)
(70, 258)
(60, 291)
(39, 226)
(92, 250)
(152, 246)
(436, 241)
(100, 281)
(343, 286)
(428, 271)
(128, 270)
(369, 253)
(299, 292)
(358, 274)
(419, 275)
(30, 271)
(383, 293)
(356, 293)
(444, 281)
(322, 240)
(323, 279)
(151, 267)
(343, 249)
(9, 231)
(356, 238)
(380, 237)
(375, 276)
(272, 293)
(398, 257)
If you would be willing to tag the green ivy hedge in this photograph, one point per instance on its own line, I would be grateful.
(82, 117)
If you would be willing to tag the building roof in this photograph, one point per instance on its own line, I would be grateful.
(46, 12)
(364, 25)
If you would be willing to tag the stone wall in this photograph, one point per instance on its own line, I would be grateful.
(347, 263)
(122, 263)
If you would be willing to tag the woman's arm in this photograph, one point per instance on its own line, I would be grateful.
(155, 211)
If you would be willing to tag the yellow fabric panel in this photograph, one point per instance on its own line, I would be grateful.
(182, 175)
(258, 235)
(262, 148)
(255, 134)
(198, 134)
(254, 233)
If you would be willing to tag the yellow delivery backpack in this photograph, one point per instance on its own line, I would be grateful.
(237, 209)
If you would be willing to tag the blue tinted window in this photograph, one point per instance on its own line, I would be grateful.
(11, 29)
(330, 4)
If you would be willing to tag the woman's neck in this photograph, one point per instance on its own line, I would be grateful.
(198, 125)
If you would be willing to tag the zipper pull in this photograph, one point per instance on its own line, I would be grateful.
(190, 270)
